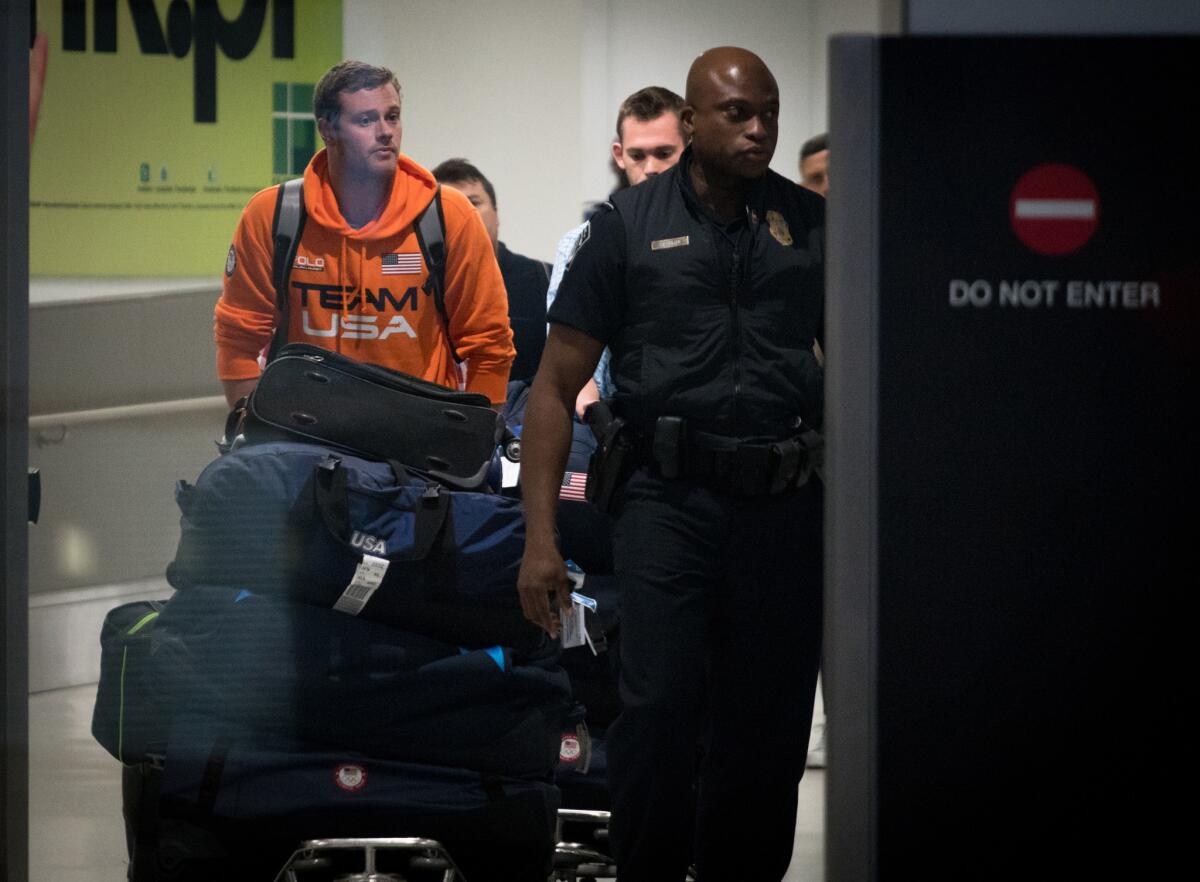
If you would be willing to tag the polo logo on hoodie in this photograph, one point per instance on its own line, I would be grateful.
(316, 264)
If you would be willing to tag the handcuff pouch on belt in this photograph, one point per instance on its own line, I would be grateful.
(614, 458)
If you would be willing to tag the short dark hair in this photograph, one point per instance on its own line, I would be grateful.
(459, 171)
(647, 104)
(347, 76)
(815, 144)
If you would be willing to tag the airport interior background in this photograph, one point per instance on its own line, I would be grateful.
(123, 398)
(123, 401)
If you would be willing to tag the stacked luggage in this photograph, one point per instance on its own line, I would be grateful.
(585, 539)
(345, 654)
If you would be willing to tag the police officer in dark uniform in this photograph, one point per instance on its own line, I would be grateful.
(707, 284)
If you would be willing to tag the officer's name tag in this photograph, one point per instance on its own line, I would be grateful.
(664, 244)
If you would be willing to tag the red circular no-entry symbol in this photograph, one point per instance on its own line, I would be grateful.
(1054, 209)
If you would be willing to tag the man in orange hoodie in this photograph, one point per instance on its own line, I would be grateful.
(357, 281)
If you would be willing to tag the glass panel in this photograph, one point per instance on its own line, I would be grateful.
(302, 97)
(279, 97)
(303, 143)
(279, 162)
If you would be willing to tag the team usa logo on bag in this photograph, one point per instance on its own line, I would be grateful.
(350, 778)
(368, 543)
(570, 749)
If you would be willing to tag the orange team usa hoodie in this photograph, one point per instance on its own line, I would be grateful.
(361, 292)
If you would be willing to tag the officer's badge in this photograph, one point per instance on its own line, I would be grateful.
(779, 228)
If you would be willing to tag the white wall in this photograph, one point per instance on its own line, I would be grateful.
(497, 83)
(528, 89)
(781, 32)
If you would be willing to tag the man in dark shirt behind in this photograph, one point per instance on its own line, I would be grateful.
(706, 282)
(525, 278)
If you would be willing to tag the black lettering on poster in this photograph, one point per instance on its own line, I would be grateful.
(200, 25)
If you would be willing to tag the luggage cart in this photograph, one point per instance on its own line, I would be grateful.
(370, 860)
(576, 861)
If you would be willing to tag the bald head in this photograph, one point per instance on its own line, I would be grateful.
(732, 113)
(725, 64)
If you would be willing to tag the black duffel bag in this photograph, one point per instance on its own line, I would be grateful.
(315, 395)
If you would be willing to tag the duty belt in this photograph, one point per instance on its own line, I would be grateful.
(742, 470)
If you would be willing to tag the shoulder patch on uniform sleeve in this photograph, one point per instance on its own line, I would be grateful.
(585, 233)
(231, 261)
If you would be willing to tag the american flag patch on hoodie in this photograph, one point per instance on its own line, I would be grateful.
(401, 263)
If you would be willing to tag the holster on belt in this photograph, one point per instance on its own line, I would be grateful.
(614, 457)
(795, 460)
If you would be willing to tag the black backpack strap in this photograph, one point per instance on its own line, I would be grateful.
(286, 229)
(431, 237)
(140, 786)
(210, 780)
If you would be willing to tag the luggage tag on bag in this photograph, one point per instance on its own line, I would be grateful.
(510, 473)
(368, 576)
(574, 625)
(510, 462)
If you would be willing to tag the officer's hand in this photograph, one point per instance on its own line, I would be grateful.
(543, 574)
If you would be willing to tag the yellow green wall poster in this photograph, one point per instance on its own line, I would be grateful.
(159, 121)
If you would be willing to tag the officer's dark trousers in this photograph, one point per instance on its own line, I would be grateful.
(720, 640)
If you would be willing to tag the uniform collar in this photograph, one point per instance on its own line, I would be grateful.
(756, 192)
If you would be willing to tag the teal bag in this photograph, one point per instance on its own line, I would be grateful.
(129, 721)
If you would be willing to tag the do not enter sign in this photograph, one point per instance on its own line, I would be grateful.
(1054, 209)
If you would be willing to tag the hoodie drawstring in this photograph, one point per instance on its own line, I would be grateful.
(351, 289)
(344, 285)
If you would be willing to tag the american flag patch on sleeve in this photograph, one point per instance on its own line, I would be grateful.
(401, 263)
(572, 486)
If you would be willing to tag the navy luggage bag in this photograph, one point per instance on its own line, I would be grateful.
(298, 521)
(326, 678)
(231, 804)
